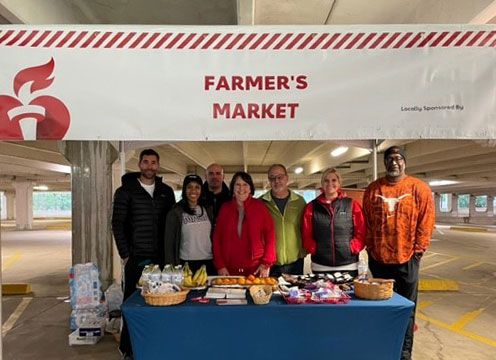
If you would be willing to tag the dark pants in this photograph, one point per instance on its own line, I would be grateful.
(132, 272)
(406, 284)
(295, 268)
(196, 264)
(352, 273)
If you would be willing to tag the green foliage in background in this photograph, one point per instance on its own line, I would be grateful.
(463, 201)
(52, 200)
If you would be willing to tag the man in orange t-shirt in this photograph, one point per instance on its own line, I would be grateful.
(399, 214)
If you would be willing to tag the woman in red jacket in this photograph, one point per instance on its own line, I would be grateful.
(333, 228)
(244, 237)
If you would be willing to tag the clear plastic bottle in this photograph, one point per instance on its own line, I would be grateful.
(363, 268)
(167, 274)
(178, 275)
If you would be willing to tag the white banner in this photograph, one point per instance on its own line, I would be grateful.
(247, 83)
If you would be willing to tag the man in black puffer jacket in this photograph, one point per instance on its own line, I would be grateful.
(141, 205)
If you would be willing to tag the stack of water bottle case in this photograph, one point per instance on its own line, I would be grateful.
(89, 312)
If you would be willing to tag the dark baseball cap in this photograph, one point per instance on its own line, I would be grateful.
(394, 150)
(192, 178)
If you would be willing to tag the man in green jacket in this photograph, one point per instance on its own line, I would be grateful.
(286, 208)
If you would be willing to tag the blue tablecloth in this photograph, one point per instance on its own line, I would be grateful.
(357, 330)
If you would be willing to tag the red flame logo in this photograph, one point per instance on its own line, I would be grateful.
(51, 115)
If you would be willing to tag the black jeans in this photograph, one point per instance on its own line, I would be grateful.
(132, 272)
(406, 278)
(295, 268)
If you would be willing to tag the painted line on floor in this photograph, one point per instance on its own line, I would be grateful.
(466, 318)
(424, 304)
(9, 324)
(462, 332)
(427, 256)
(438, 285)
(11, 260)
(473, 265)
(468, 229)
(440, 263)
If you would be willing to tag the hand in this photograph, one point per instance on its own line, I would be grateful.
(418, 255)
(263, 271)
(223, 272)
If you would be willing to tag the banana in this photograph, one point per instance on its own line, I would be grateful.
(187, 270)
(197, 275)
(189, 282)
(203, 276)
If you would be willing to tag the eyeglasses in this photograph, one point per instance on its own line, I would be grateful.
(396, 159)
(276, 178)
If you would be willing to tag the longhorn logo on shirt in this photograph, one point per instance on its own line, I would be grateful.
(26, 117)
(391, 202)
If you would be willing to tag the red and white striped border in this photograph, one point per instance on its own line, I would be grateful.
(244, 41)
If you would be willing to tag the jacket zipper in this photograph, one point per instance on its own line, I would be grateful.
(331, 225)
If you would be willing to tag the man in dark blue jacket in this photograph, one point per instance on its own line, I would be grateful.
(141, 205)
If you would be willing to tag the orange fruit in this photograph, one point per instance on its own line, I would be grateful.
(241, 281)
(257, 281)
(251, 277)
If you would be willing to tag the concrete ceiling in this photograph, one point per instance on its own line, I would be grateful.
(471, 163)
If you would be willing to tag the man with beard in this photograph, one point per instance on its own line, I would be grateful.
(399, 212)
(141, 205)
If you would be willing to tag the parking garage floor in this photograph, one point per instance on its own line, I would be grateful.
(451, 324)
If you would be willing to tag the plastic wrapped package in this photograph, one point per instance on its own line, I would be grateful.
(114, 297)
(84, 285)
(88, 317)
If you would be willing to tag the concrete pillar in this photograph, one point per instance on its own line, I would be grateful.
(454, 205)
(23, 205)
(10, 204)
(490, 205)
(471, 207)
(91, 165)
(437, 203)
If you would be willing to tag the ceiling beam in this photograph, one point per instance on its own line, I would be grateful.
(195, 151)
(416, 161)
(292, 12)
(325, 160)
(41, 12)
(486, 16)
(296, 152)
(26, 152)
(35, 164)
(245, 12)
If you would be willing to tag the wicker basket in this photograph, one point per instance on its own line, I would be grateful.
(261, 294)
(374, 289)
(167, 299)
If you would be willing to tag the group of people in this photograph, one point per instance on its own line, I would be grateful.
(233, 233)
